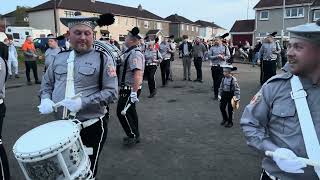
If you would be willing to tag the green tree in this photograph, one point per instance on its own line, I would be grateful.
(21, 16)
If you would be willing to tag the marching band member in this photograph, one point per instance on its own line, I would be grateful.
(229, 89)
(4, 171)
(283, 117)
(131, 81)
(94, 77)
(153, 59)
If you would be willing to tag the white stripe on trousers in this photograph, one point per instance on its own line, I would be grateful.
(2, 170)
(98, 150)
(127, 118)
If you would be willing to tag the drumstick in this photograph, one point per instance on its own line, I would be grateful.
(124, 111)
(59, 103)
(307, 161)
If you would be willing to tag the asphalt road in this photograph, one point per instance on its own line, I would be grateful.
(180, 129)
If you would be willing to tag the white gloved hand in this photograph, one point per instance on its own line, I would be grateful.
(291, 164)
(74, 105)
(259, 62)
(134, 97)
(219, 98)
(46, 106)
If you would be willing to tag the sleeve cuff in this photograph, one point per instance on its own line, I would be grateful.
(267, 145)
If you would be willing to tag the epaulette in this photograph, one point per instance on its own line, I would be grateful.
(282, 76)
(64, 51)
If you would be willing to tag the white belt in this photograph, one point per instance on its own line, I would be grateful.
(1, 101)
(152, 64)
(89, 122)
(129, 87)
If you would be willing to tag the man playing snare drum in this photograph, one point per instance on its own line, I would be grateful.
(94, 77)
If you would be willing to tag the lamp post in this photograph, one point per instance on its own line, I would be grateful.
(284, 14)
(55, 17)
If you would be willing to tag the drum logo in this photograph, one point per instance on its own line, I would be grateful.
(45, 170)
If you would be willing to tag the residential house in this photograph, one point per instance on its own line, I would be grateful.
(208, 30)
(272, 17)
(242, 31)
(126, 18)
(180, 26)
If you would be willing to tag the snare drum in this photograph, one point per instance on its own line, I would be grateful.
(53, 151)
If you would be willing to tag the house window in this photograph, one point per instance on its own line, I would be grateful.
(9, 30)
(182, 27)
(27, 33)
(146, 24)
(122, 38)
(264, 15)
(159, 25)
(187, 28)
(192, 28)
(295, 12)
(69, 13)
(316, 14)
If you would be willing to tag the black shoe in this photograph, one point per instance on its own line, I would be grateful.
(128, 141)
(184, 79)
(223, 122)
(38, 82)
(152, 94)
(29, 83)
(17, 76)
(229, 125)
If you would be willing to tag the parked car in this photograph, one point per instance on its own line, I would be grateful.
(42, 43)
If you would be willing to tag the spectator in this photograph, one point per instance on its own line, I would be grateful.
(30, 58)
(12, 58)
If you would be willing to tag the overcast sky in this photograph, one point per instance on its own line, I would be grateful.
(222, 12)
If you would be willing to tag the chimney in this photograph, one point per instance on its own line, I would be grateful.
(140, 7)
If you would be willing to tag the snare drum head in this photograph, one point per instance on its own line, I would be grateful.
(46, 138)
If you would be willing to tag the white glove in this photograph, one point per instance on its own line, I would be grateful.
(134, 97)
(292, 165)
(259, 62)
(74, 105)
(46, 106)
(219, 98)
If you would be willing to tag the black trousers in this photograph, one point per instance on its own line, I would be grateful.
(4, 165)
(150, 72)
(31, 65)
(264, 176)
(217, 75)
(269, 69)
(224, 102)
(95, 136)
(129, 122)
(165, 71)
(198, 65)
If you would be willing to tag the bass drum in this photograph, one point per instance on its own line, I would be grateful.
(109, 50)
